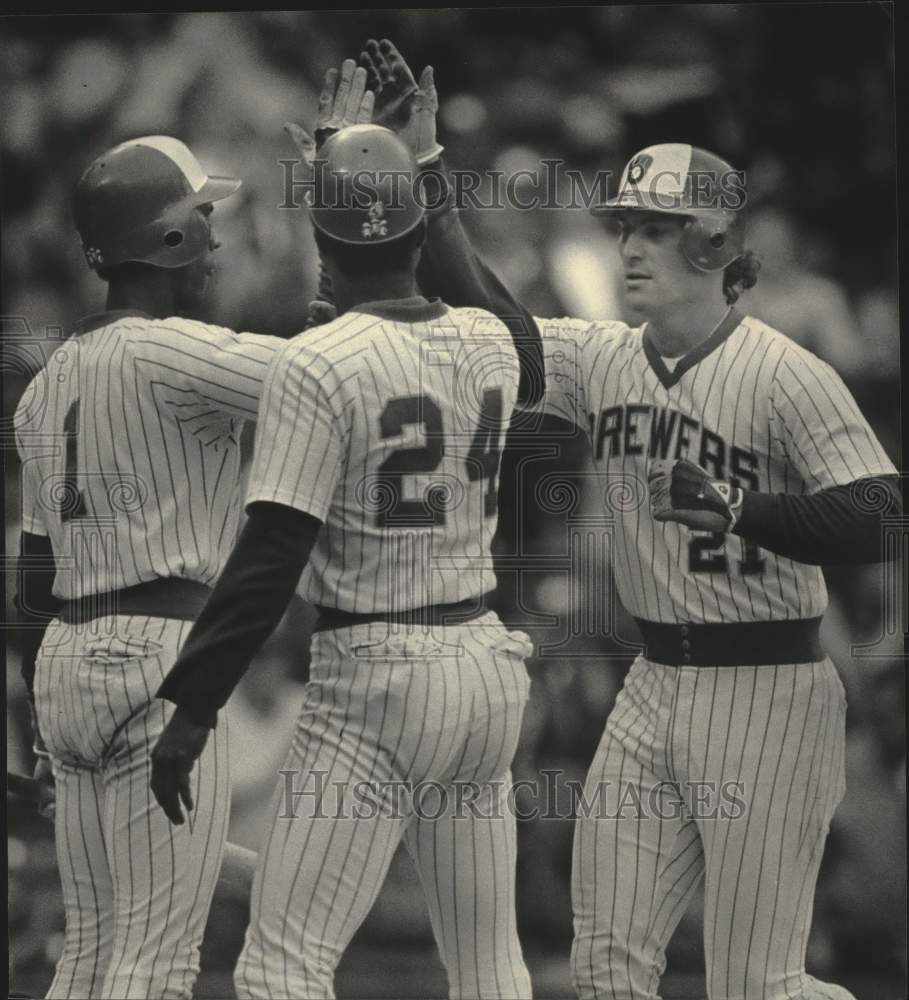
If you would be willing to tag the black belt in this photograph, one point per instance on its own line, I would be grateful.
(431, 614)
(737, 644)
(165, 597)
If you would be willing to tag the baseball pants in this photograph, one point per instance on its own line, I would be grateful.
(409, 734)
(136, 890)
(731, 774)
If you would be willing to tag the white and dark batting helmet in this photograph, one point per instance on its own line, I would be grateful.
(364, 191)
(138, 201)
(679, 179)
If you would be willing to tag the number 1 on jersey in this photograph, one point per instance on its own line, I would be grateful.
(71, 503)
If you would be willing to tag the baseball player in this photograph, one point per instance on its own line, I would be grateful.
(748, 466)
(128, 439)
(376, 462)
(729, 729)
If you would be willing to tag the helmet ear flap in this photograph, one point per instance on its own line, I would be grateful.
(712, 241)
(717, 239)
(181, 236)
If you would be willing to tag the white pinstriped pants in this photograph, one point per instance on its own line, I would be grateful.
(136, 889)
(681, 744)
(383, 708)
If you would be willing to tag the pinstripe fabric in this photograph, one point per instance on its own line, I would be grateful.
(145, 414)
(129, 441)
(136, 889)
(419, 707)
(344, 401)
(777, 731)
(758, 410)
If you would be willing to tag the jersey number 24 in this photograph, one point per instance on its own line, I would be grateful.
(481, 461)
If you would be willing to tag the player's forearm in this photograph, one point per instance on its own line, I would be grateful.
(34, 600)
(451, 269)
(247, 604)
(831, 527)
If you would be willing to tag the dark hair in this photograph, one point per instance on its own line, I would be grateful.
(356, 259)
(740, 275)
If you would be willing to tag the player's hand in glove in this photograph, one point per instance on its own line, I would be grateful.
(403, 105)
(682, 491)
(344, 101)
(177, 750)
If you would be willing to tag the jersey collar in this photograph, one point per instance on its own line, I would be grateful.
(413, 310)
(724, 328)
(96, 320)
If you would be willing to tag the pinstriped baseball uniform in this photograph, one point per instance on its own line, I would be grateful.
(752, 407)
(388, 425)
(130, 463)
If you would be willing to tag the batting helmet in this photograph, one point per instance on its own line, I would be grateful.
(138, 201)
(683, 180)
(365, 187)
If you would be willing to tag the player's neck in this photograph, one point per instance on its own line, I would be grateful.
(350, 292)
(679, 333)
(154, 298)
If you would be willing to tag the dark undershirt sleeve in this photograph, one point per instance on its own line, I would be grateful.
(451, 269)
(247, 604)
(34, 600)
(838, 525)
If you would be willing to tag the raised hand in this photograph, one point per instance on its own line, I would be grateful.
(403, 105)
(344, 101)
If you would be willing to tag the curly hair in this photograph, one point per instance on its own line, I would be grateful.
(740, 275)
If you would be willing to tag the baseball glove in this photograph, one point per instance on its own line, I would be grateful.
(683, 492)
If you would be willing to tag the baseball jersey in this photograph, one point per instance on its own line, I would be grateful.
(747, 404)
(388, 426)
(129, 442)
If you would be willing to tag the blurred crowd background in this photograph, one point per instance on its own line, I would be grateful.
(800, 97)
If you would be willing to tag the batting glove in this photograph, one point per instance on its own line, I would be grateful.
(683, 492)
(344, 101)
(403, 105)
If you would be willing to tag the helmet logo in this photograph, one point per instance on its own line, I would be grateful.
(638, 167)
(94, 256)
(378, 224)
